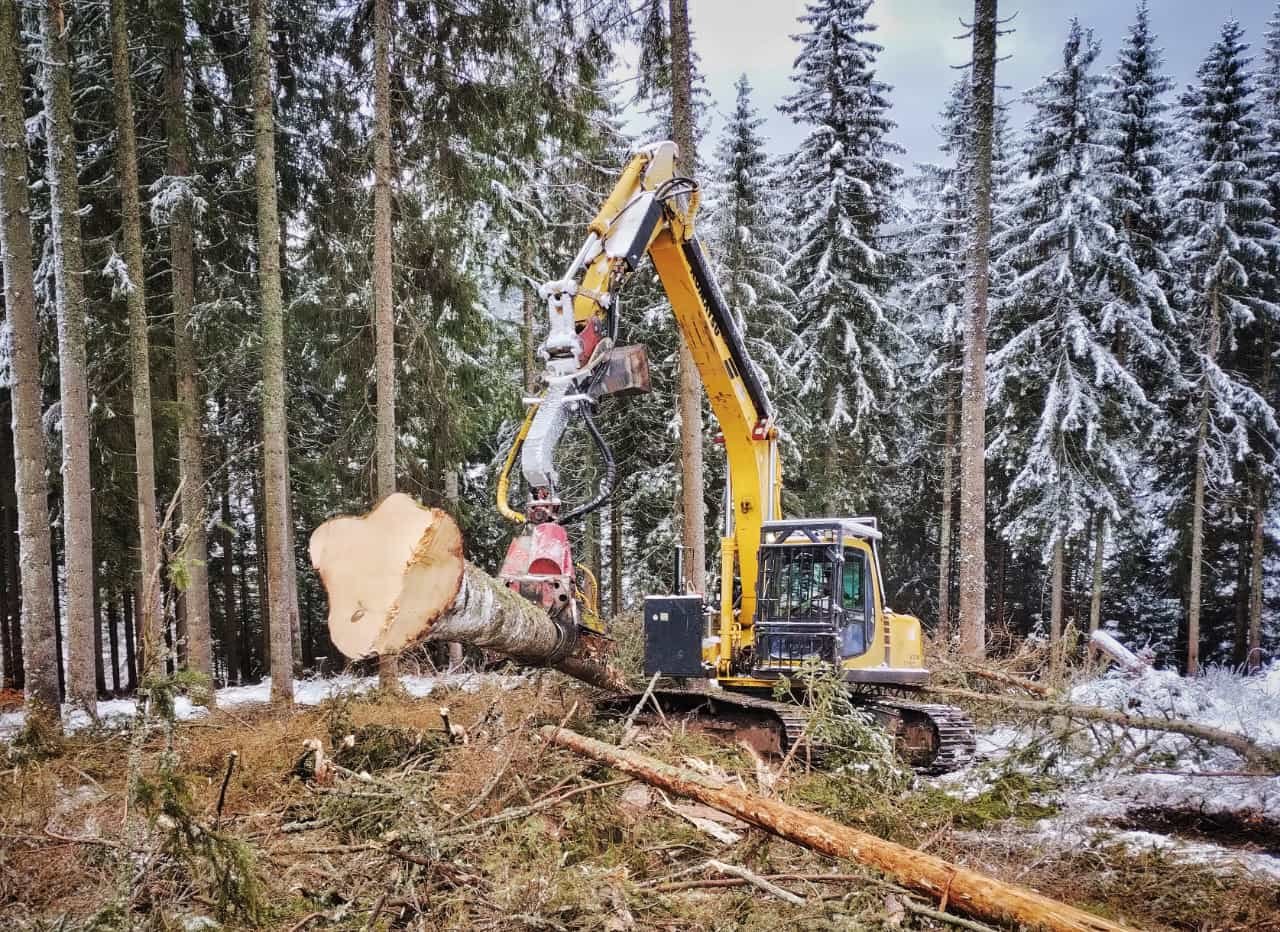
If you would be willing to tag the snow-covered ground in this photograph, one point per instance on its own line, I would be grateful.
(117, 712)
(1105, 775)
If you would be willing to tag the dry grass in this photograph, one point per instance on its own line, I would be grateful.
(502, 832)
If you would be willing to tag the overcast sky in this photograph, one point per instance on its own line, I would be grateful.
(754, 36)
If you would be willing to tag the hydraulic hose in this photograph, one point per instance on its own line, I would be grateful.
(610, 470)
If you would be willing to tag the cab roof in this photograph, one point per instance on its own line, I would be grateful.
(863, 526)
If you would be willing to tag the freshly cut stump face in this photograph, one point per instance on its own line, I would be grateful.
(389, 574)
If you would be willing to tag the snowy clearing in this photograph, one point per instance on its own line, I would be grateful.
(117, 712)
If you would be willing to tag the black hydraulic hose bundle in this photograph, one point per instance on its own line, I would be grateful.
(610, 470)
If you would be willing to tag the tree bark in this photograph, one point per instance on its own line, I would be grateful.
(1253, 657)
(148, 608)
(689, 397)
(383, 282)
(113, 642)
(452, 499)
(195, 598)
(39, 656)
(1257, 755)
(948, 506)
(130, 646)
(99, 671)
(963, 889)
(230, 617)
(10, 606)
(1197, 502)
(1055, 607)
(973, 414)
(396, 576)
(64, 198)
(1099, 552)
(274, 427)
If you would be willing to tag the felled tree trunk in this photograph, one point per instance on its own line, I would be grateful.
(396, 576)
(1257, 755)
(965, 890)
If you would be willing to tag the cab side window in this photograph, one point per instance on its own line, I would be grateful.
(853, 599)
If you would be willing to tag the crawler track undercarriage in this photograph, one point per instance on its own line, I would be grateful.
(931, 738)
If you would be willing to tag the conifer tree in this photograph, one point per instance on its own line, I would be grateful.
(1225, 252)
(842, 184)
(21, 344)
(64, 186)
(1134, 170)
(1067, 405)
(748, 243)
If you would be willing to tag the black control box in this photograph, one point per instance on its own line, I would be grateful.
(673, 631)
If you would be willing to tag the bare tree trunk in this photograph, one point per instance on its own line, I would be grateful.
(230, 616)
(1253, 657)
(948, 506)
(99, 671)
(383, 282)
(1099, 551)
(130, 644)
(689, 397)
(10, 606)
(64, 198)
(1197, 503)
(148, 608)
(113, 642)
(1055, 605)
(274, 429)
(39, 651)
(195, 599)
(973, 497)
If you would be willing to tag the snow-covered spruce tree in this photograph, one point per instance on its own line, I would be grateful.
(1066, 407)
(1135, 172)
(841, 188)
(939, 225)
(1225, 252)
(747, 241)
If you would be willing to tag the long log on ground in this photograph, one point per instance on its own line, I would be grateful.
(396, 576)
(1255, 754)
(965, 890)
(1008, 679)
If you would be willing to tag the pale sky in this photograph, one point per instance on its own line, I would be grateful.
(754, 36)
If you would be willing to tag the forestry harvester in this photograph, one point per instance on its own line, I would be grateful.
(795, 593)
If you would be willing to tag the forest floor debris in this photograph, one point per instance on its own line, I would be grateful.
(484, 826)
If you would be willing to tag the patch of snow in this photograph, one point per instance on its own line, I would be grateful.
(115, 713)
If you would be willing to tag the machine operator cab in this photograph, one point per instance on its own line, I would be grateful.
(820, 599)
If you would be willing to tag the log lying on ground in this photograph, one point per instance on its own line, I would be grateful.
(1008, 679)
(965, 890)
(1257, 755)
(396, 576)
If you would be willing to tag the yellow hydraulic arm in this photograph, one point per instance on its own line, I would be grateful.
(652, 211)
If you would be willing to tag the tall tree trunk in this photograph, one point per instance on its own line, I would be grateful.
(1253, 657)
(689, 397)
(113, 642)
(1212, 340)
(10, 608)
(973, 498)
(230, 617)
(39, 651)
(274, 429)
(148, 607)
(615, 554)
(948, 506)
(195, 598)
(383, 309)
(1055, 605)
(58, 646)
(248, 662)
(64, 198)
(130, 647)
(1244, 542)
(1099, 551)
(99, 671)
